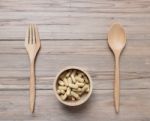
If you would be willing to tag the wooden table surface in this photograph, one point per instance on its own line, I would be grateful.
(74, 33)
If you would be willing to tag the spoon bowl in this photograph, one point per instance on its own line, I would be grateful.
(116, 38)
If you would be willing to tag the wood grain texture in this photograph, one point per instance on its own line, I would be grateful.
(74, 33)
(100, 106)
(56, 55)
(71, 19)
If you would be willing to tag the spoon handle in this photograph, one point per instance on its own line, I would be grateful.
(117, 84)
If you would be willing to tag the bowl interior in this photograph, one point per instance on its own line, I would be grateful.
(83, 98)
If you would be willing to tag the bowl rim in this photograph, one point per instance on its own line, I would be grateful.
(77, 102)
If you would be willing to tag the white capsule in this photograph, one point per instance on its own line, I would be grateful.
(62, 76)
(85, 88)
(80, 74)
(80, 84)
(73, 79)
(77, 90)
(64, 97)
(74, 86)
(75, 95)
(68, 91)
(79, 79)
(62, 87)
(62, 91)
(61, 83)
(65, 81)
(69, 80)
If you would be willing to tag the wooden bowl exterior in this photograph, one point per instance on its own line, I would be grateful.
(83, 99)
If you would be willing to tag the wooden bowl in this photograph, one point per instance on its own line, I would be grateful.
(83, 98)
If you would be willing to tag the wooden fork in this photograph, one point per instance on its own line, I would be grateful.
(32, 44)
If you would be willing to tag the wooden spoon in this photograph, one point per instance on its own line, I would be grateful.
(117, 41)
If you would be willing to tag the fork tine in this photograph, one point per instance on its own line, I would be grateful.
(30, 34)
(27, 36)
(33, 33)
(37, 34)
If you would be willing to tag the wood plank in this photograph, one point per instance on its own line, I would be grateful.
(134, 106)
(108, 5)
(77, 28)
(91, 55)
(82, 19)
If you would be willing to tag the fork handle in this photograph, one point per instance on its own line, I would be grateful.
(117, 84)
(32, 87)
